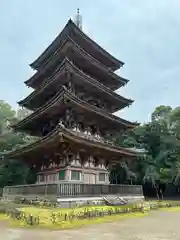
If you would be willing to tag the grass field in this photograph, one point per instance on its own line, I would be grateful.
(54, 218)
(45, 215)
(46, 222)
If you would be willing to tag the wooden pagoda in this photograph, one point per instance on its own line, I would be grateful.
(72, 103)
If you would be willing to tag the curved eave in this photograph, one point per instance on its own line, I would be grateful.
(120, 81)
(60, 133)
(41, 59)
(100, 111)
(54, 100)
(55, 44)
(44, 84)
(83, 76)
(26, 148)
(66, 94)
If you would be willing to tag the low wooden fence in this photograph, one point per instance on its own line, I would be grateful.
(69, 190)
(72, 190)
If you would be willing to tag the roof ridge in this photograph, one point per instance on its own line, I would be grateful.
(58, 96)
(67, 29)
(60, 131)
(82, 51)
(80, 72)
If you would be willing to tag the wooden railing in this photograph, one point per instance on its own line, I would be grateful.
(72, 190)
(68, 190)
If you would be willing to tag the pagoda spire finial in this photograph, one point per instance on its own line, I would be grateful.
(78, 19)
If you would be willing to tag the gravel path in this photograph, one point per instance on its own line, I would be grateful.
(157, 226)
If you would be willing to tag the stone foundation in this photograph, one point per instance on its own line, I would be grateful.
(90, 201)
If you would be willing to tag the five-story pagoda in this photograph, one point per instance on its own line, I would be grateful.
(72, 103)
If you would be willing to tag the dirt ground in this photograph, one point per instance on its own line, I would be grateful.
(157, 226)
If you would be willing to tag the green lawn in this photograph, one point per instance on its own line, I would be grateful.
(45, 219)
(45, 215)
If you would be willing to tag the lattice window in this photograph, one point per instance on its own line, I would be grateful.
(102, 177)
(41, 178)
(62, 175)
(76, 175)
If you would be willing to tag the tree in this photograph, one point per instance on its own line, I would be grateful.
(161, 113)
(12, 172)
(161, 139)
(7, 116)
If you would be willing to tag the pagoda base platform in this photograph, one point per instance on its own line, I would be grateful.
(73, 194)
(117, 200)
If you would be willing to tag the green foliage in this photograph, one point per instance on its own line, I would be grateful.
(7, 115)
(161, 139)
(11, 172)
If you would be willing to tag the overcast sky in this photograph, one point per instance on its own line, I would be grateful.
(145, 34)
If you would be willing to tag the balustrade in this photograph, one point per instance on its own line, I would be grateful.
(72, 189)
(94, 137)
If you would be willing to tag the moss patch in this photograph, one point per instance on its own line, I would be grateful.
(54, 218)
(47, 224)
